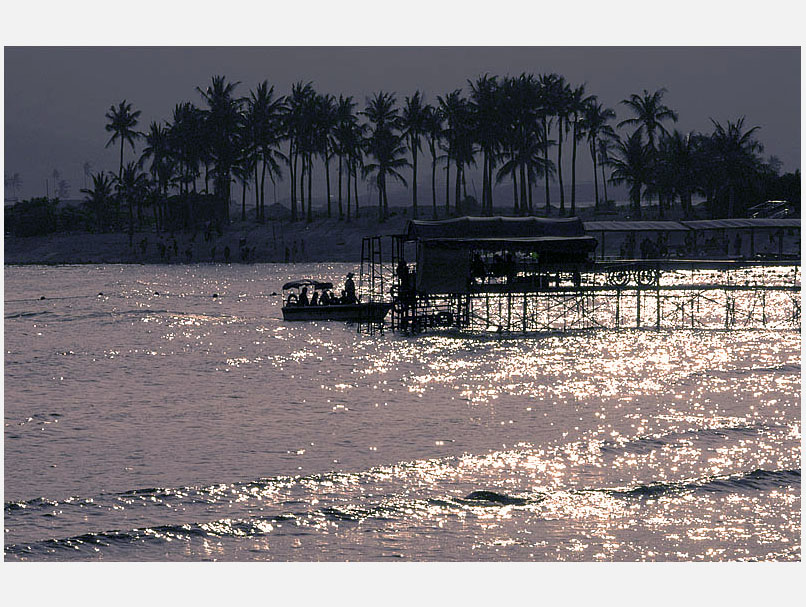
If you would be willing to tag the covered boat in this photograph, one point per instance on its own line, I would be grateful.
(295, 308)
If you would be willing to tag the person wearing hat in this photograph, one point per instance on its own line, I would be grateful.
(349, 287)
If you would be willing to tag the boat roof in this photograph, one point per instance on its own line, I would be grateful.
(307, 282)
(503, 228)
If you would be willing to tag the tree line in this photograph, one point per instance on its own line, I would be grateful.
(523, 130)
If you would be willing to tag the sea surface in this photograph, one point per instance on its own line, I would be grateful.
(167, 413)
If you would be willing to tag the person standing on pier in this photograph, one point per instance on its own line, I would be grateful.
(349, 288)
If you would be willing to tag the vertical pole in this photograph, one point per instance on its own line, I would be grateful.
(764, 308)
(637, 307)
(657, 309)
(618, 308)
(524, 312)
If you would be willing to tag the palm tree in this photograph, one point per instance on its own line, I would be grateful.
(162, 167)
(633, 166)
(455, 110)
(222, 121)
(343, 136)
(560, 103)
(594, 125)
(578, 101)
(262, 123)
(486, 107)
(678, 167)
(297, 125)
(385, 145)
(548, 90)
(122, 121)
(734, 153)
(325, 126)
(413, 122)
(649, 114)
(131, 186)
(433, 130)
(99, 197)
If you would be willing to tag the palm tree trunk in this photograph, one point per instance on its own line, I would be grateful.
(243, 200)
(434, 180)
(327, 180)
(546, 158)
(380, 199)
(490, 172)
(447, 186)
(302, 185)
(514, 191)
(560, 165)
(414, 180)
(574, 172)
(348, 192)
(310, 180)
(458, 190)
(484, 185)
(341, 210)
(263, 192)
(293, 167)
(595, 176)
(120, 171)
(355, 188)
(523, 189)
(529, 189)
(602, 160)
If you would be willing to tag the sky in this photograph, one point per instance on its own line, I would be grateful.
(56, 97)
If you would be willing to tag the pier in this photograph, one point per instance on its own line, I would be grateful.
(523, 275)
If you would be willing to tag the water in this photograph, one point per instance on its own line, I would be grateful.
(181, 426)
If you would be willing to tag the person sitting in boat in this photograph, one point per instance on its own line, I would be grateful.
(315, 298)
(349, 288)
(343, 298)
(303, 297)
(325, 299)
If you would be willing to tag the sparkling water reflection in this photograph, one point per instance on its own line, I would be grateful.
(157, 422)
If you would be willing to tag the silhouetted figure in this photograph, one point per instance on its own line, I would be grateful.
(325, 299)
(497, 265)
(342, 299)
(349, 288)
(509, 267)
(303, 297)
(403, 275)
(315, 298)
(477, 267)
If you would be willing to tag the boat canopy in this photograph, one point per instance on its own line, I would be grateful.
(307, 282)
(503, 228)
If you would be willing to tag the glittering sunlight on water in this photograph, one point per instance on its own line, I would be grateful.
(167, 413)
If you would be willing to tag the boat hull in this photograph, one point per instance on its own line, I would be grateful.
(362, 312)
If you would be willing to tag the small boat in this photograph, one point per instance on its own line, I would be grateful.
(373, 312)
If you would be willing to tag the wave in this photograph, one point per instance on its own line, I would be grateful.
(757, 480)
(340, 508)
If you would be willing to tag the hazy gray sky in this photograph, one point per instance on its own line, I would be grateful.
(56, 98)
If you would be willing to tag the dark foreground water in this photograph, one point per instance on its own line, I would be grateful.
(156, 422)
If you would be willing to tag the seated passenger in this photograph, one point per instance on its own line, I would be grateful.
(303, 297)
(325, 299)
(315, 298)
